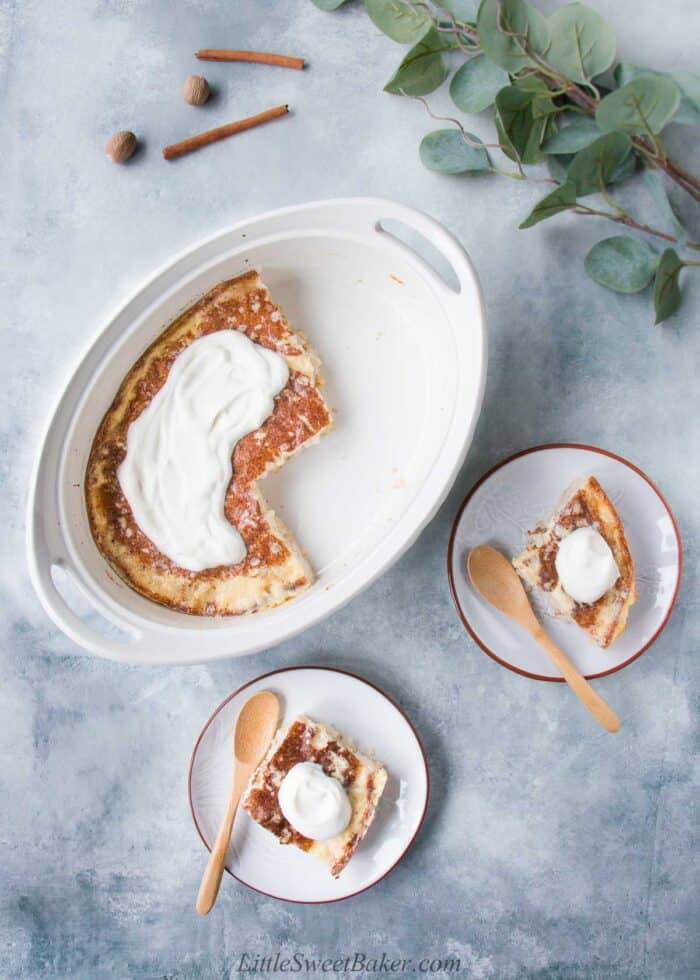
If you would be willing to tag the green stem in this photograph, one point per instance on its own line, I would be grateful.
(629, 222)
(521, 175)
(458, 36)
(460, 30)
(612, 204)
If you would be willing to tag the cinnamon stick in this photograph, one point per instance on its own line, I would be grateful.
(259, 57)
(221, 132)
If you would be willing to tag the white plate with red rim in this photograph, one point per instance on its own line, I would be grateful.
(370, 720)
(400, 331)
(524, 489)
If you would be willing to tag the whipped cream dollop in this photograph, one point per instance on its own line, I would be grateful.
(178, 451)
(316, 805)
(585, 565)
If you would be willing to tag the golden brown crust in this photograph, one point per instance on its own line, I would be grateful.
(274, 569)
(362, 778)
(586, 504)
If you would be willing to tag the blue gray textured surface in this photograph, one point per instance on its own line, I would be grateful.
(550, 850)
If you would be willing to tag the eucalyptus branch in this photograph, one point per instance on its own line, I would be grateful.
(454, 26)
(620, 217)
(458, 36)
(533, 67)
(463, 29)
(581, 98)
(477, 144)
(684, 180)
(657, 156)
(680, 172)
(679, 176)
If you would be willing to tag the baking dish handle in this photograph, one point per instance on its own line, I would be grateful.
(89, 639)
(438, 238)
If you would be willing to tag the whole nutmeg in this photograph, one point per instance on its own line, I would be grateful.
(121, 146)
(196, 90)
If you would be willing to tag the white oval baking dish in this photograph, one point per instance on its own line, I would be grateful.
(404, 355)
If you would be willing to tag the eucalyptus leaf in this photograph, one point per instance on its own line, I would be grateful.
(622, 263)
(655, 185)
(563, 198)
(422, 70)
(518, 130)
(399, 20)
(496, 17)
(463, 11)
(448, 152)
(582, 44)
(689, 110)
(558, 166)
(595, 165)
(644, 105)
(625, 72)
(550, 128)
(689, 84)
(542, 102)
(580, 132)
(475, 85)
(688, 113)
(329, 4)
(667, 293)
(627, 168)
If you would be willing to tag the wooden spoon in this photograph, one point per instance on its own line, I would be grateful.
(495, 579)
(255, 726)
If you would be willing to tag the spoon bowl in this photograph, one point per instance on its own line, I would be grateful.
(495, 579)
(256, 725)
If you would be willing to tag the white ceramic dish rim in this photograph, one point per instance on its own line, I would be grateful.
(333, 670)
(422, 508)
(453, 534)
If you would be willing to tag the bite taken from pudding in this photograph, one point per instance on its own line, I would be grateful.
(581, 561)
(313, 789)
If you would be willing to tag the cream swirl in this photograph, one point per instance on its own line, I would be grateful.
(316, 805)
(178, 451)
(585, 565)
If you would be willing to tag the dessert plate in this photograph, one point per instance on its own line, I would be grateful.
(366, 716)
(400, 330)
(524, 489)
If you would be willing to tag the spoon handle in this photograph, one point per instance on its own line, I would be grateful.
(588, 697)
(211, 879)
